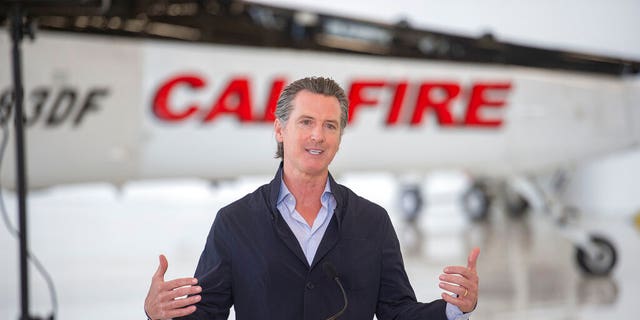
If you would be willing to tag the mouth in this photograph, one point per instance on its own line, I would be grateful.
(314, 152)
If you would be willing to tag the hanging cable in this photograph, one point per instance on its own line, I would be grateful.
(15, 233)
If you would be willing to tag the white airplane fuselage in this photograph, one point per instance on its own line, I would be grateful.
(114, 109)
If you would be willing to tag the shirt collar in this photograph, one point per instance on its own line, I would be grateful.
(285, 193)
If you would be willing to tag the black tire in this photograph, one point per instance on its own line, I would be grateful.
(476, 202)
(411, 203)
(516, 205)
(604, 262)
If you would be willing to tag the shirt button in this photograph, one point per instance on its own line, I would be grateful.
(310, 285)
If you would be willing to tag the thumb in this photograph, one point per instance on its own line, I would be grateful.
(162, 267)
(473, 258)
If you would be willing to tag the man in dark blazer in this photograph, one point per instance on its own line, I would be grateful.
(304, 246)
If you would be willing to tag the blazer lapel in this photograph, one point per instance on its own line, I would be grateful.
(332, 234)
(286, 235)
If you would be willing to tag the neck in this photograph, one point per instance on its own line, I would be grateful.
(304, 186)
(307, 190)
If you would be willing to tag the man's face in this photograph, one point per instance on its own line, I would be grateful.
(311, 136)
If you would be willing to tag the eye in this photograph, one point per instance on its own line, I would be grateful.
(331, 126)
(306, 122)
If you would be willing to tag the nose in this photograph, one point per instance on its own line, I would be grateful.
(317, 135)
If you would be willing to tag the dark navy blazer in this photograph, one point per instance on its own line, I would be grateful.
(253, 261)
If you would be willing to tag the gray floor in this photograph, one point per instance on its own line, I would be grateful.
(528, 271)
(100, 245)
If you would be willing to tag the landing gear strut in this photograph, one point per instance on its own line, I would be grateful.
(595, 254)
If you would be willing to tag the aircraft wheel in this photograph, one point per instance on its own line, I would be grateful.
(516, 204)
(604, 260)
(475, 202)
(411, 203)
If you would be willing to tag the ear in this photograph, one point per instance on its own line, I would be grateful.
(277, 128)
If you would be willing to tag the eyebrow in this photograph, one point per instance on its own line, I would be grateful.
(304, 116)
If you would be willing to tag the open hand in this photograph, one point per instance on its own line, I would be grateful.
(462, 281)
(165, 298)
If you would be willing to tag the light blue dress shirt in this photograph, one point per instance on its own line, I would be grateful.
(309, 237)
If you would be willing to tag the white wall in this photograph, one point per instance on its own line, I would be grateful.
(608, 186)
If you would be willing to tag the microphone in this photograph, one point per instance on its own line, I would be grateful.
(332, 274)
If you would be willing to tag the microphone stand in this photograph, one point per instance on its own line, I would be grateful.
(18, 28)
(332, 274)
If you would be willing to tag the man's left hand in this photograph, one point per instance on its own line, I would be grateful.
(462, 281)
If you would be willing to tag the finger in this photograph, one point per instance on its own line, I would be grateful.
(473, 258)
(180, 312)
(177, 283)
(452, 300)
(184, 291)
(457, 280)
(464, 305)
(463, 271)
(459, 290)
(180, 303)
(162, 267)
(178, 293)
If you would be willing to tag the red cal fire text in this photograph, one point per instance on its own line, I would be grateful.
(236, 100)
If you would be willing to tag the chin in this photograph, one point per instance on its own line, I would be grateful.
(317, 168)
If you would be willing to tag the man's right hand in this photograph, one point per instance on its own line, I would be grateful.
(165, 300)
